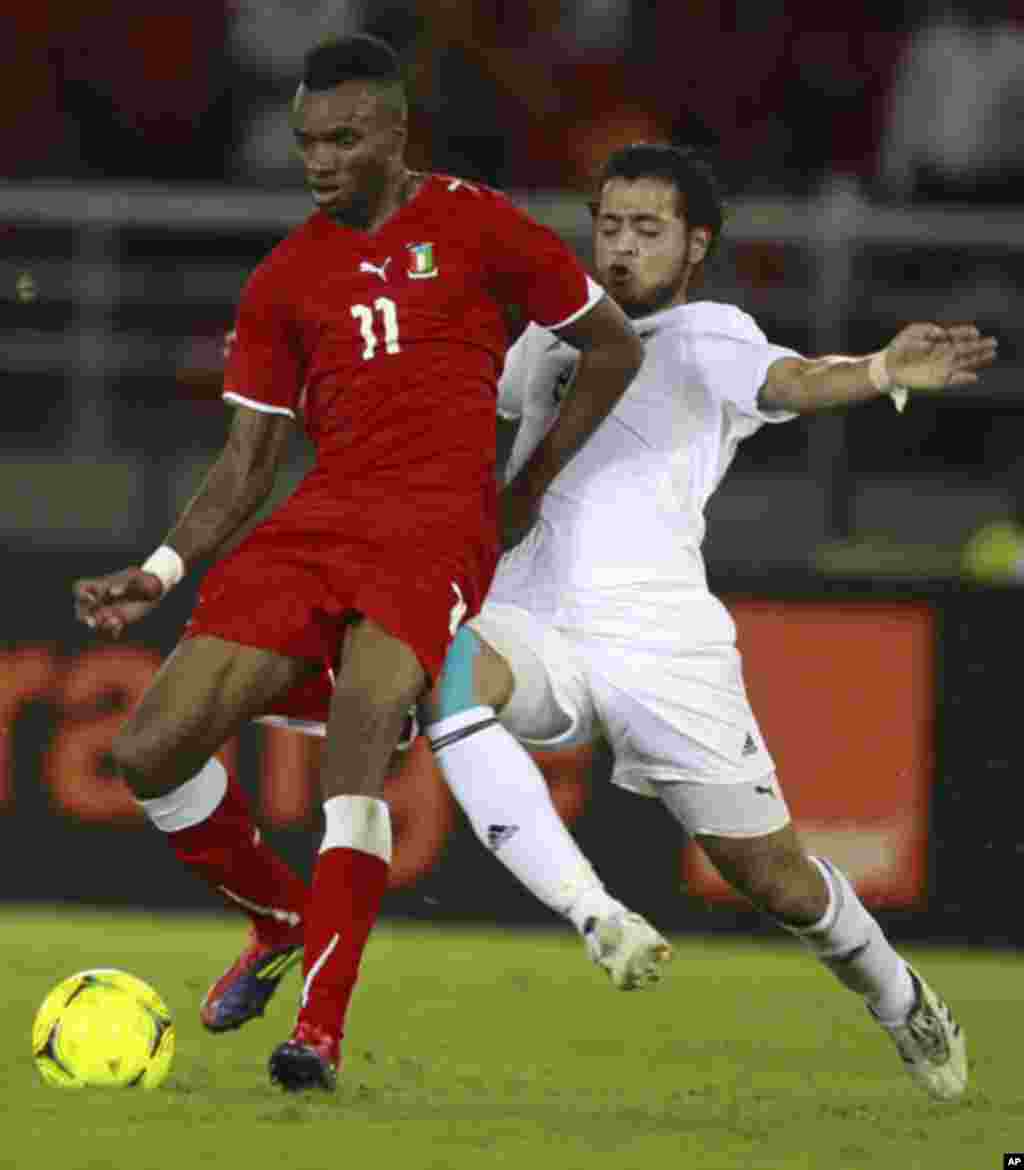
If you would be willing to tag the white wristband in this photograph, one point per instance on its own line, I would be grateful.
(166, 564)
(882, 381)
(878, 374)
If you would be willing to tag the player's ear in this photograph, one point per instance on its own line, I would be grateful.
(698, 244)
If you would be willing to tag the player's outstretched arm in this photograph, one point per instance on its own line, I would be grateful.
(612, 354)
(235, 488)
(920, 357)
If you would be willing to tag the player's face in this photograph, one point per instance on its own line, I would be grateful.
(350, 141)
(644, 250)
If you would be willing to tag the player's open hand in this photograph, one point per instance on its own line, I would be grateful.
(932, 357)
(110, 603)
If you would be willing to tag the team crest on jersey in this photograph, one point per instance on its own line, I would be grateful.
(422, 265)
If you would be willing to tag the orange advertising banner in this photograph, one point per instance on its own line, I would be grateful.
(845, 696)
(844, 693)
(90, 693)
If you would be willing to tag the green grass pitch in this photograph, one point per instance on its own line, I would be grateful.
(476, 1048)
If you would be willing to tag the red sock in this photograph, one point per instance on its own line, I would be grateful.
(348, 886)
(226, 851)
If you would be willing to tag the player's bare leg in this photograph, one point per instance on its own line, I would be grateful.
(814, 900)
(204, 692)
(507, 802)
(379, 678)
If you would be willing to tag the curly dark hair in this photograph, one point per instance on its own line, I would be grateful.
(699, 192)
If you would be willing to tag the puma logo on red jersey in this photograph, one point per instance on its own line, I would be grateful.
(379, 270)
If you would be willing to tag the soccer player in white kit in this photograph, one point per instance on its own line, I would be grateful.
(601, 622)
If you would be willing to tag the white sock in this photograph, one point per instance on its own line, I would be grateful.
(851, 944)
(357, 822)
(190, 803)
(504, 796)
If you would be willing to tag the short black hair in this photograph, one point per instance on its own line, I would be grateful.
(700, 194)
(359, 57)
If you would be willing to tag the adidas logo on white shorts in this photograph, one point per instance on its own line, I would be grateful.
(497, 835)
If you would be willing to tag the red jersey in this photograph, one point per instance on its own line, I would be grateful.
(389, 345)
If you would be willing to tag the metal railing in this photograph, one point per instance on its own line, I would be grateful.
(103, 288)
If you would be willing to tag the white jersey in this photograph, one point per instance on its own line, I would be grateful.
(617, 552)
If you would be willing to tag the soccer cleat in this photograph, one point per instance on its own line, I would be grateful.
(244, 990)
(309, 1060)
(627, 947)
(932, 1044)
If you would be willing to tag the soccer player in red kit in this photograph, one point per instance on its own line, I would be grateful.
(379, 323)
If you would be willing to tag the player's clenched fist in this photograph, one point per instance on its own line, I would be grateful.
(110, 603)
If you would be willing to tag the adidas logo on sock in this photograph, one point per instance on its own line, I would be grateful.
(497, 835)
(750, 746)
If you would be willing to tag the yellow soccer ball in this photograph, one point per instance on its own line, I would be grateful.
(103, 1028)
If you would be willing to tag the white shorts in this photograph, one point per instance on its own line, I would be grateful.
(680, 728)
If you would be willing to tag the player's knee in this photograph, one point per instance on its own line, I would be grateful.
(379, 672)
(494, 680)
(369, 704)
(462, 684)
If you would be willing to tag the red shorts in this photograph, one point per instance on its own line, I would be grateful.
(278, 592)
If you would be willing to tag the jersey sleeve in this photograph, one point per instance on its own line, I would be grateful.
(511, 383)
(734, 357)
(264, 368)
(519, 362)
(533, 268)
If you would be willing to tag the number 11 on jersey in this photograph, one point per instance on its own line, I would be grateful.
(389, 314)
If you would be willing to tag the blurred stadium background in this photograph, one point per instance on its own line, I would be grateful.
(874, 155)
